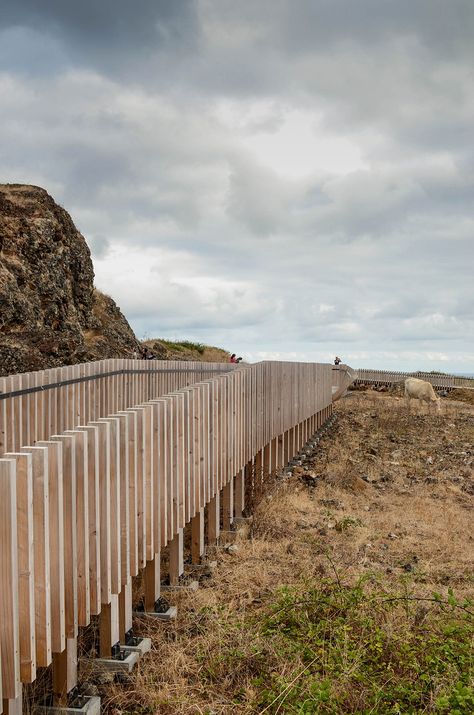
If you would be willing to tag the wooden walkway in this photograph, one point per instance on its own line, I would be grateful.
(102, 467)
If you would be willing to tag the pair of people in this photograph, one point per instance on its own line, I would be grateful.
(147, 354)
(235, 359)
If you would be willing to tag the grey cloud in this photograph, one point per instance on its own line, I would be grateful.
(27, 50)
(302, 26)
(106, 25)
(374, 21)
(259, 198)
(99, 245)
(117, 117)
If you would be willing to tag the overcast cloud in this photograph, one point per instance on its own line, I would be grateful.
(287, 179)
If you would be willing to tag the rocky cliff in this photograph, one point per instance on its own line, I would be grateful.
(50, 313)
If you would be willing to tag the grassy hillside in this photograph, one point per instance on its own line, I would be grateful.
(185, 350)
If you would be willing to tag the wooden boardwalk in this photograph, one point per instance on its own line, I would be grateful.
(102, 467)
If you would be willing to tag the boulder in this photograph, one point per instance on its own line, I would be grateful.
(51, 313)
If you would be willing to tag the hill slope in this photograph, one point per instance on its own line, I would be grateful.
(164, 349)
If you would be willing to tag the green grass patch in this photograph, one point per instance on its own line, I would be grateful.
(337, 649)
(182, 345)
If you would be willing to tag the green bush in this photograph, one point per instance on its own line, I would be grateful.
(336, 649)
(182, 345)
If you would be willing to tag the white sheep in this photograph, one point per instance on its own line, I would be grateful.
(421, 390)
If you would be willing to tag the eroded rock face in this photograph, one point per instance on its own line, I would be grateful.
(50, 313)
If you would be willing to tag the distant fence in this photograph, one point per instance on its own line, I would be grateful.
(104, 465)
(387, 377)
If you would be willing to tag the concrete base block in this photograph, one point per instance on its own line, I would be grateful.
(142, 647)
(168, 615)
(191, 586)
(91, 707)
(114, 665)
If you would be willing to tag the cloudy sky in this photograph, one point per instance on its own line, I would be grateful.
(288, 179)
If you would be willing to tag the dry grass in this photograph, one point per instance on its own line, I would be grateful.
(386, 497)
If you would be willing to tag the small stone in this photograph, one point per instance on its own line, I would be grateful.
(232, 549)
(391, 535)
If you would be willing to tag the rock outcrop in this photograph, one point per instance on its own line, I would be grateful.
(50, 313)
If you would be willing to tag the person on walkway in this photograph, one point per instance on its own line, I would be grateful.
(233, 358)
(337, 360)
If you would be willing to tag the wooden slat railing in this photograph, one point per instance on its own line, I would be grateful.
(35, 405)
(100, 475)
(387, 377)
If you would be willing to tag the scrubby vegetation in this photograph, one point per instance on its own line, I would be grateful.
(182, 345)
(336, 648)
(165, 349)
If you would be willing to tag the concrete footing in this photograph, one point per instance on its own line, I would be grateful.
(168, 615)
(91, 706)
(143, 646)
(124, 664)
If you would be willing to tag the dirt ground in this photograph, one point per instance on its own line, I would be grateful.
(386, 494)
(392, 490)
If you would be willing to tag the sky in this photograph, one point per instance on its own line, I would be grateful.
(287, 179)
